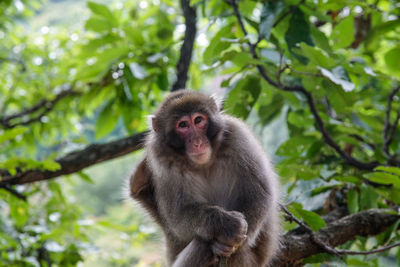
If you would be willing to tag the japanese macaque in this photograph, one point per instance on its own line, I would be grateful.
(207, 182)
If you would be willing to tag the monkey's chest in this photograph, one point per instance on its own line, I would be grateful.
(217, 190)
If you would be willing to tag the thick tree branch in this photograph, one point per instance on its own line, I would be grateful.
(79, 160)
(297, 246)
(310, 101)
(187, 47)
(45, 105)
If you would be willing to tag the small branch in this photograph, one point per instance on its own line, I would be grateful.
(361, 139)
(44, 104)
(13, 192)
(374, 251)
(388, 128)
(183, 64)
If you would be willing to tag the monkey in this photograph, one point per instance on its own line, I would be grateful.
(206, 181)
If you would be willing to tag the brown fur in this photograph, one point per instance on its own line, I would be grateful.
(204, 209)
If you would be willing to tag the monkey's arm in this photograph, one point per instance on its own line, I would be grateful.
(258, 200)
(189, 219)
(142, 189)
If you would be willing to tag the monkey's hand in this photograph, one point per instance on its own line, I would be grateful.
(231, 235)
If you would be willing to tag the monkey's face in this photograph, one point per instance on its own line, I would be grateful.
(192, 129)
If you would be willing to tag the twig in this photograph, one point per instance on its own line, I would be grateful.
(44, 104)
(183, 64)
(362, 139)
(13, 192)
(310, 100)
(374, 251)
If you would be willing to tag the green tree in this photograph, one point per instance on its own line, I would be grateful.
(327, 71)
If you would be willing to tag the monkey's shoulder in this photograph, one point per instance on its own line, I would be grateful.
(238, 136)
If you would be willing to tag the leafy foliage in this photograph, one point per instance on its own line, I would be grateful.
(327, 71)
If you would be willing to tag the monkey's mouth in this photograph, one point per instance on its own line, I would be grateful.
(200, 157)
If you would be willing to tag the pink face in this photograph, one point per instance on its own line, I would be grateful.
(193, 129)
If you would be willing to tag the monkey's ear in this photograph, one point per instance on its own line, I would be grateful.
(218, 100)
(151, 123)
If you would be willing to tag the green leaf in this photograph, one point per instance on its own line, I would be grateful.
(368, 197)
(377, 32)
(312, 219)
(101, 10)
(392, 59)
(348, 179)
(134, 35)
(97, 24)
(107, 120)
(317, 56)
(383, 178)
(298, 31)
(352, 200)
(295, 146)
(243, 96)
(218, 45)
(162, 80)
(85, 177)
(12, 133)
(51, 165)
(393, 170)
(343, 34)
(270, 111)
(339, 76)
(242, 59)
(269, 14)
(320, 39)
(19, 211)
(322, 189)
(300, 120)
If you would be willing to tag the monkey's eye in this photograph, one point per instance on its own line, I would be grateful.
(183, 124)
(198, 119)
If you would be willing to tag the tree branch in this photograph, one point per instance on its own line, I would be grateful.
(310, 101)
(13, 192)
(297, 246)
(79, 160)
(185, 58)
